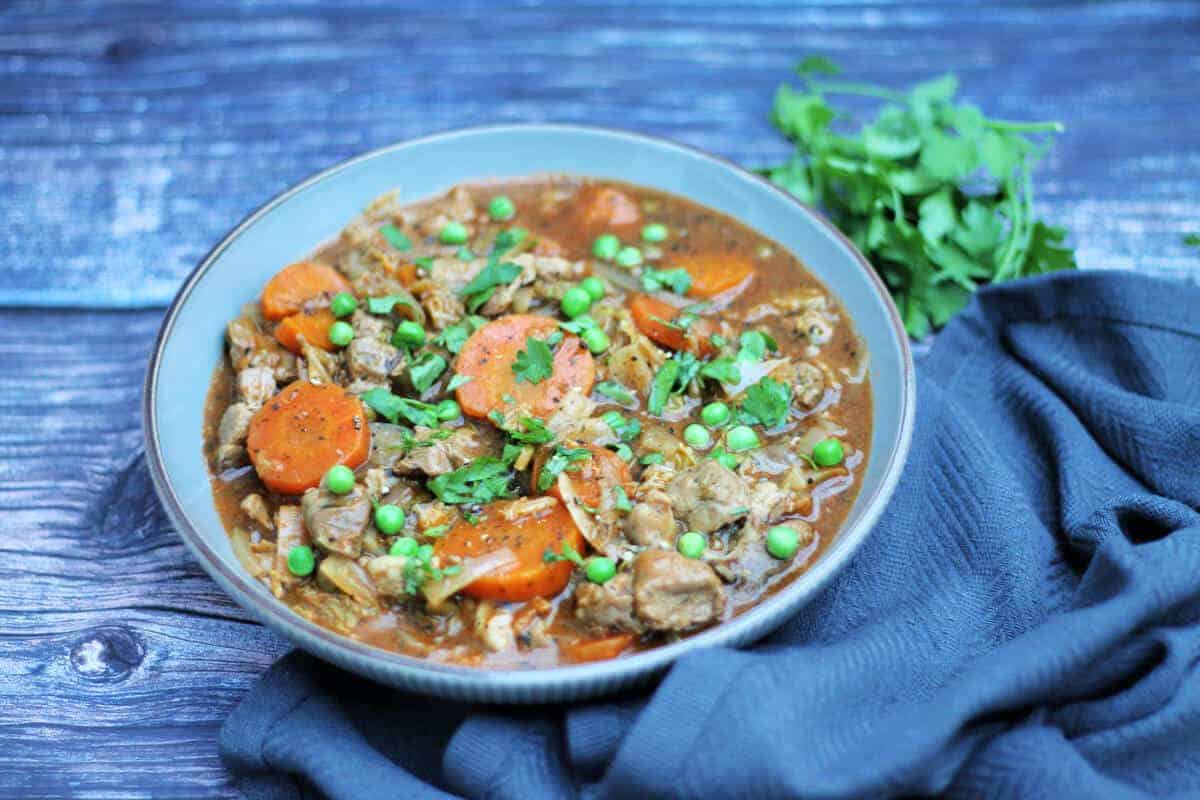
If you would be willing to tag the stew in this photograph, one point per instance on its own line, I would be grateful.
(535, 422)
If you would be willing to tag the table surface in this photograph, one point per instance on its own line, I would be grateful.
(133, 135)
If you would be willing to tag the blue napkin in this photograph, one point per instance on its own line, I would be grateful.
(1025, 621)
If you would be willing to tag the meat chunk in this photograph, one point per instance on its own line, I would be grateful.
(256, 385)
(250, 347)
(809, 385)
(231, 434)
(651, 523)
(673, 593)
(256, 509)
(442, 305)
(388, 574)
(437, 456)
(607, 607)
(337, 522)
(371, 360)
(289, 533)
(708, 496)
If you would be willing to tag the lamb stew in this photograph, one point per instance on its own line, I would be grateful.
(536, 422)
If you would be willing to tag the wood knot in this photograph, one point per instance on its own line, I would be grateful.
(107, 654)
(125, 49)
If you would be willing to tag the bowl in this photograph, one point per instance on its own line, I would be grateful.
(291, 225)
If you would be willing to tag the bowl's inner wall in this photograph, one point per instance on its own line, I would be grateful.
(293, 227)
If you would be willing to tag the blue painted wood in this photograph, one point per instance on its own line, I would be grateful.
(134, 134)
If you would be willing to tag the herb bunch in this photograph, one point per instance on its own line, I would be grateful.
(936, 195)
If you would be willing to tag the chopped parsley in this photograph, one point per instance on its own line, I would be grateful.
(530, 430)
(677, 280)
(579, 324)
(455, 336)
(483, 286)
(464, 254)
(563, 459)
(568, 554)
(425, 370)
(615, 391)
(621, 499)
(393, 408)
(396, 237)
(437, 531)
(722, 370)
(653, 458)
(535, 363)
(457, 381)
(478, 483)
(767, 402)
(626, 429)
(384, 305)
(662, 386)
(419, 569)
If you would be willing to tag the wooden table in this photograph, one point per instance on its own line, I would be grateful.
(133, 135)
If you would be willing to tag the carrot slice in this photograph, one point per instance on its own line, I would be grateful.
(601, 472)
(715, 273)
(488, 357)
(602, 208)
(601, 649)
(298, 284)
(303, 431)
(528, 537)
(313, 325)
(407, 274)
(652, 317)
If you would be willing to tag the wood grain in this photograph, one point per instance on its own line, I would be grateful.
(134, 134)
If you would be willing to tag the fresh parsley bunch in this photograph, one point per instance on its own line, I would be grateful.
(936, 195)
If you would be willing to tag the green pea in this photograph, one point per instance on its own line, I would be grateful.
(575, 301)
(341, 333)
(389, 518)
(594, 287)
(600, 569)
(409, 333)
(300, 560)
(697, 435)
(404, 546)
(782, 542)
(655, 232)
(595, 339)
(447, 410)
(343, 304)
(828, 453)
(741, 438)
(501, 208)
(692, 544)
(606, 246)
(340, 479)
(629, 257)
(715, 414)
(453, 233)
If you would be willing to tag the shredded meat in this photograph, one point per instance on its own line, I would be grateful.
(708, 496)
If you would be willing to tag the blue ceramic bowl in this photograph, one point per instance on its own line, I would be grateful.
(291, 225)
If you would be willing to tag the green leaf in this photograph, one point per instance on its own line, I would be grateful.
(894, 136)
(396, 237)
(530, 430)
(1192, 240)
(677, 280)
(1047, 253)
(651, 459)
(980, 230)
(457, 381)
(948, 158)
(392, 407)
(621, 499)
(938, 216)
(722, 370)
(384, 305)
(803, 117)
(768, 401)
(563, 459)
(1001, 153)
(535, 363)
(425, 370)
(483, 480)
(492, 275)
(615, 391)
(662, 385)
(455, 336)
(817, 65)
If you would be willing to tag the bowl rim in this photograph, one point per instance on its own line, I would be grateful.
(562, 681)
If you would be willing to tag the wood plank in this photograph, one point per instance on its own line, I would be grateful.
(143, 131)
(119, 657)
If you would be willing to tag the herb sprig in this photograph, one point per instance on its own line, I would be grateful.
(938, 196)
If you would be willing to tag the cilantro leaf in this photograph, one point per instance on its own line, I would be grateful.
(677, 280)
(616, 392)
(936, 195)
(457, 381)
(722, 370)
(535, 363)
(768, 402)
(455, 336)
(396, 237)
(563, 459)
(569, 553)
(425, 370)
(392, 407)
(478, 483)
(483, 286)
(384, 305)
(662, 386)
(1192, 240)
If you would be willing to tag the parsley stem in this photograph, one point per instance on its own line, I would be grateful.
(1024, 127)
(861, 89)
